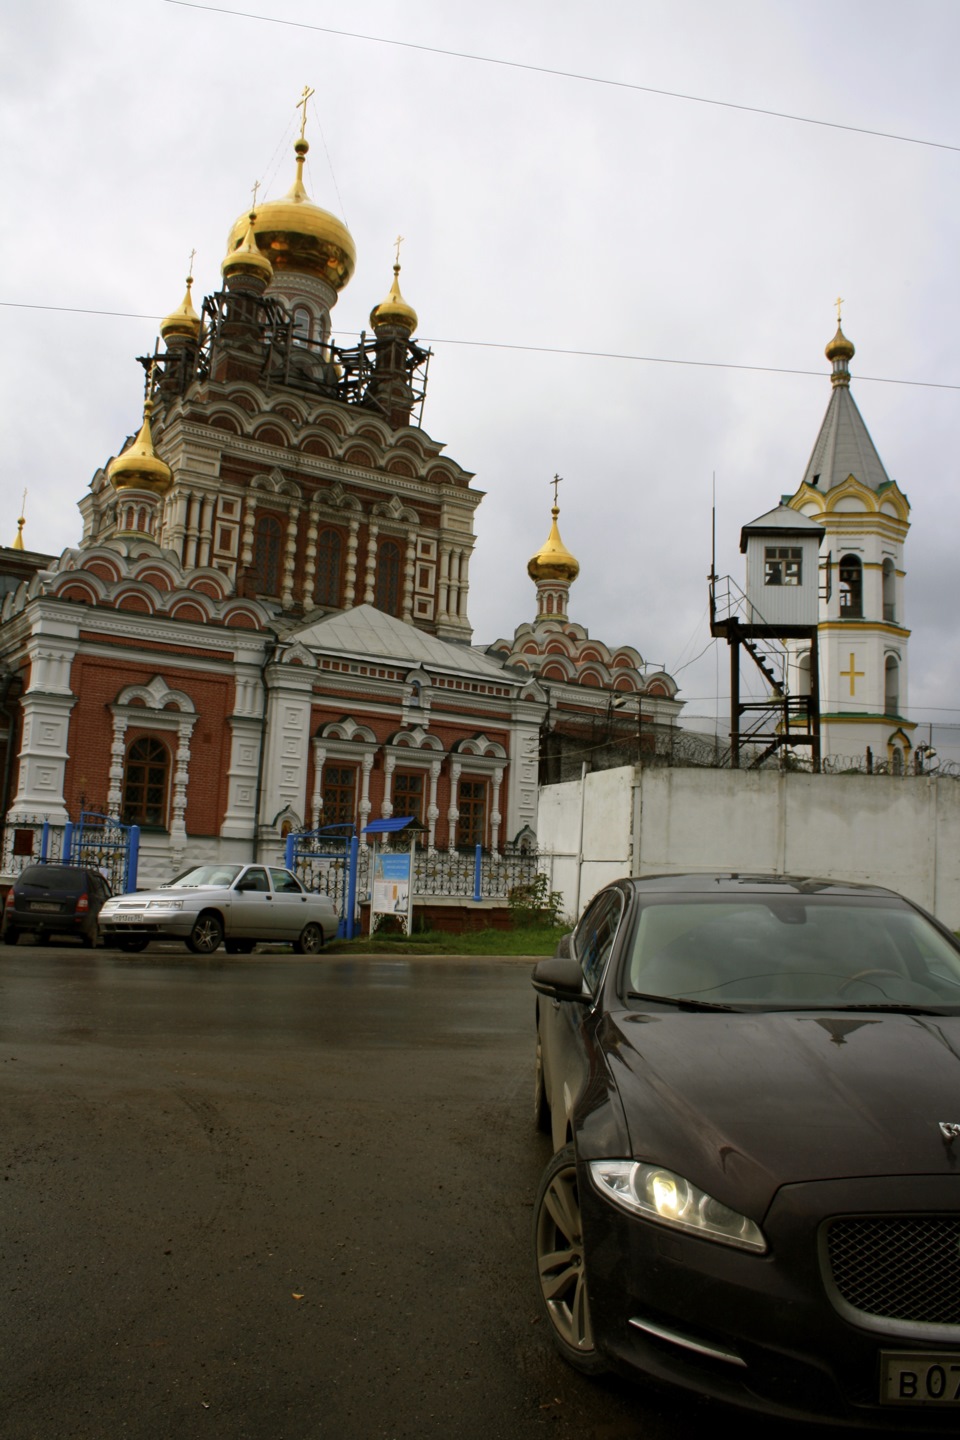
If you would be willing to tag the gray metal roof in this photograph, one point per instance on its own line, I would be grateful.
(844, 447)
(780, 520)
(366, 631)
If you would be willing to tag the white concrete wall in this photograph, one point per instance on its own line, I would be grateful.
(903, 833)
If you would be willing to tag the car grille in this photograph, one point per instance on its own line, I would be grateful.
(898, 1269)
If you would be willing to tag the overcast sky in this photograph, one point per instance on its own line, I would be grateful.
(695, 248)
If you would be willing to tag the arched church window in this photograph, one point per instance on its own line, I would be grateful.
(889, 590)
(146, 783)
(301, 325)
(891, 686)
(329, 559)
(267, 538)
(387, 591)
(851, 588)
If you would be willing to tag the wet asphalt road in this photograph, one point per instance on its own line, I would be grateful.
(278, 1197)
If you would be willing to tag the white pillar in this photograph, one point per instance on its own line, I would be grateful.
(389, 765)
(365, 804)
(316, 803)
(369, 591)
(290, 556)
(495, 811)
(433, 813)
(453, 813)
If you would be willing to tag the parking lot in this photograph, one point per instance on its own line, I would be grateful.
(274, 1196)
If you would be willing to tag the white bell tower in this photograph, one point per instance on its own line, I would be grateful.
(863, 639)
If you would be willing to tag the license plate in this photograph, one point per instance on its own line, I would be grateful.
(913, 1377)
(122, 919)
(45, 907)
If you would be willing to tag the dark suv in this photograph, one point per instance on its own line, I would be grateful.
(50, 900)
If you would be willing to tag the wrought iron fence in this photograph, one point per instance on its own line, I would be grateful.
(451, 874)
(29, 839)
(104, 844)
(97, 841)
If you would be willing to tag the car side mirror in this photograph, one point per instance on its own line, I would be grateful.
(560, 978)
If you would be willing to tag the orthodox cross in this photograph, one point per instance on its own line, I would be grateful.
(838, 302)
(23, 507)
(193, 256)
(256, 187)
(555, 482)
(398, 242)
(853, 674)
(302, 104)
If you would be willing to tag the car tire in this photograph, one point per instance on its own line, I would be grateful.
(206, 934)
(541, 1107)
(310, 941)
(560, 1264)
(239, 947)
(131, 944)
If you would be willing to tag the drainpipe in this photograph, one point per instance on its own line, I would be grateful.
(271, 651)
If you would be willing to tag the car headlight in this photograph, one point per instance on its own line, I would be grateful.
(660, 1195)
(165, 905)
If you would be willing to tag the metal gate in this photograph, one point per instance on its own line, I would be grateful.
(106, 845)
(325, 860)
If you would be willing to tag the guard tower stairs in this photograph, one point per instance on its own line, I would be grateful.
(777, 722)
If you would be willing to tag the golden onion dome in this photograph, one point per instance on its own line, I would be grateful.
(184, 322)
(247, 258)
(140, 467)
(394, 310)
(298, 236)
(553, 560)
(840, 348)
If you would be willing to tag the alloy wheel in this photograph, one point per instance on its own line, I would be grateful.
(561, 1271)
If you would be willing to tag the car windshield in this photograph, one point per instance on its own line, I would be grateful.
(205, 875)
(796, 952)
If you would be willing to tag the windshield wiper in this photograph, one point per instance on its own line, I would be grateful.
(682, 1002)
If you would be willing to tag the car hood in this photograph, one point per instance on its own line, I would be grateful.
(742, 1104)
(140, 897)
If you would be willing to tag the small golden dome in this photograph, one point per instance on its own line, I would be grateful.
(297, 235)
(553, 560)
(840, 348)
(394, 310)
(247, 258)
(140, 467)
(183, 322)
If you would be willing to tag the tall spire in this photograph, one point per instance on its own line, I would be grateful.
(843, 446)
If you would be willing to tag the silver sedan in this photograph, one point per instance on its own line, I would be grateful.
(236, 904)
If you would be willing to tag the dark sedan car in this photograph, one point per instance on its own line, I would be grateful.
(62, 900)
(753, 1088)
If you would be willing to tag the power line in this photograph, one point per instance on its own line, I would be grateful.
(566, 75)
(538, 349)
